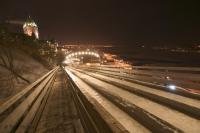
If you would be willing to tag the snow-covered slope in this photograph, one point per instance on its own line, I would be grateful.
(24, 65)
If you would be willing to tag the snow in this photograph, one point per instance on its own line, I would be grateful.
(185, 80)
(28, 68)
(130, 124)
(178, 98)
(175, 118)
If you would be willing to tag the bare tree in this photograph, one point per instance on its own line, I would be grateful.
(7, 62)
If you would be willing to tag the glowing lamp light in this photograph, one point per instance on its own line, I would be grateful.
(171, 87)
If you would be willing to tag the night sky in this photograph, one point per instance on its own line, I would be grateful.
(118, 21)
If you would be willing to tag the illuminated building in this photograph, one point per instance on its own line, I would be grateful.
(30, 28)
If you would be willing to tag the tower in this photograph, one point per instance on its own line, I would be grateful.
(30, 28)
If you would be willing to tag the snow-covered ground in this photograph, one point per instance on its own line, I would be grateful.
(173, 117)
(178, 98)
(187, 81)
(27, 67)
(130, 124)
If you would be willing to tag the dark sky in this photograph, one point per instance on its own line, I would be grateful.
(119, 21)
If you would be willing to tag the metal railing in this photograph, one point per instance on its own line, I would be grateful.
(89, 112)
(17, 113)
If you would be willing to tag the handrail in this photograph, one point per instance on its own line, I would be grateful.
(12, 119)
(91, 113)
(16, 97)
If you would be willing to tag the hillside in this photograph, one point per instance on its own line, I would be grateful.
(25, 66)
(23, 59)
